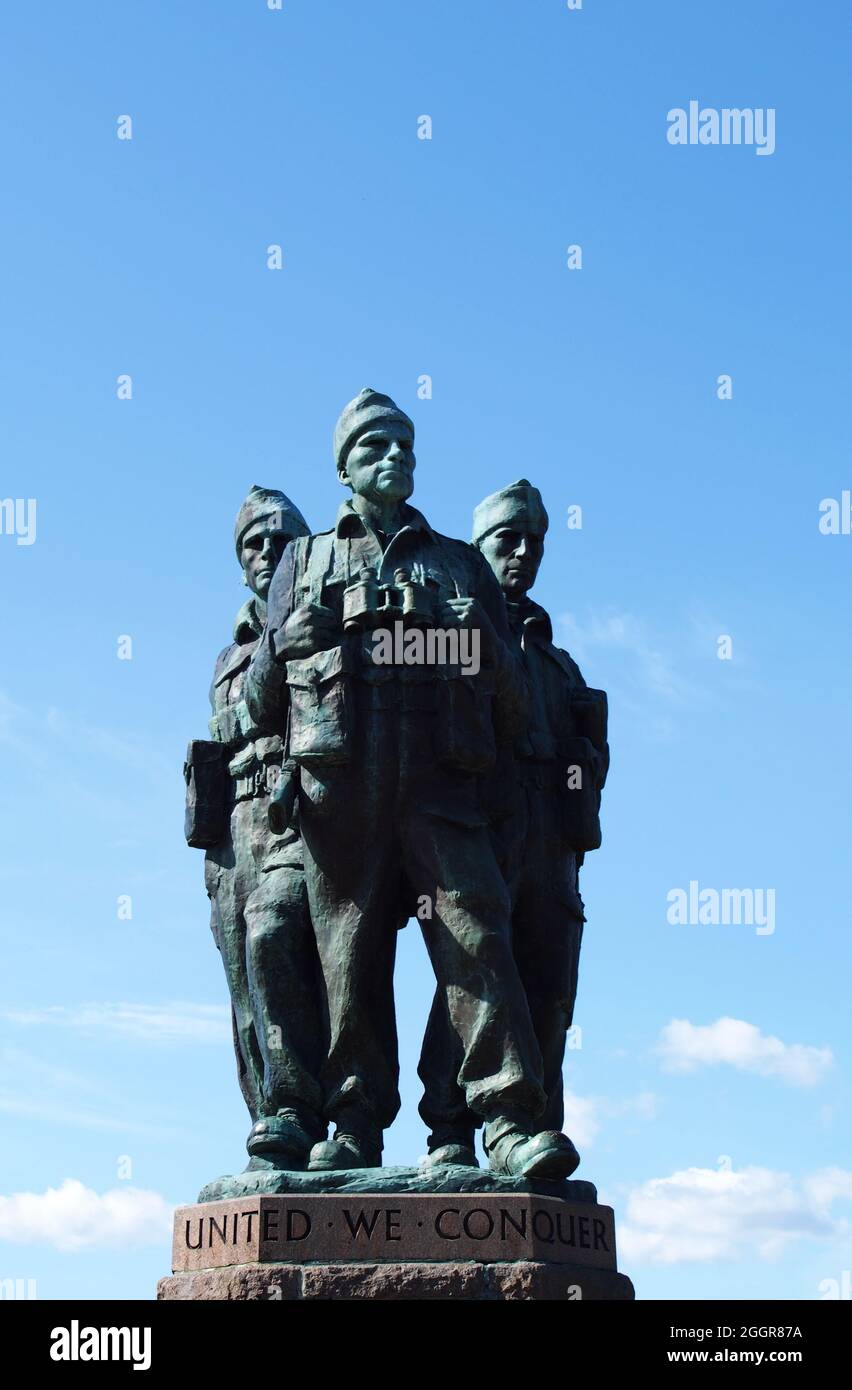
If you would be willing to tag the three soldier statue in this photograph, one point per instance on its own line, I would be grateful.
(343, 792)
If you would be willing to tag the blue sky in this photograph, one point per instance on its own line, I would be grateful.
(724, 1146)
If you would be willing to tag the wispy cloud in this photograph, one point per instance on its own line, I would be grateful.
(703, 1214)
(53, 739)
(176, 1022)
(73, 1217)
(56, 1115)
(48, 1093)
(639, 655)
(584, 1115)
(685, 1046)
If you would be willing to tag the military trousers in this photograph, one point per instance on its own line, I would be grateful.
(285, 990)
(387, 834)
(231, 874)
(540, 870)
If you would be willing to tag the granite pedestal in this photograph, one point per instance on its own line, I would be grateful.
(394, 1233)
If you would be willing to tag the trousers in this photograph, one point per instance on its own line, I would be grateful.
(413, 839)
(540, 871)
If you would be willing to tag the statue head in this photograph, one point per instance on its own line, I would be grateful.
(509, 528)
(266, 521)
(374, 448)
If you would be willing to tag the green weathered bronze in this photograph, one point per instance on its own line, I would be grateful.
(542, 799)
(268, 950)
(435, 756)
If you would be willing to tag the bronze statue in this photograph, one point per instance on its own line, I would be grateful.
(395, 735)
(231, 782)
(390, 759)
(543, 800)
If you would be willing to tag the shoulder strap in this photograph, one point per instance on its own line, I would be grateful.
(318, 555)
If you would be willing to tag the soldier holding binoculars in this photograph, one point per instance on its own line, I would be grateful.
(390, 809)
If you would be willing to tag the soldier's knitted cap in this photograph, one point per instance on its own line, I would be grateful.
(520, 503)
(366, 409)
(263, 502)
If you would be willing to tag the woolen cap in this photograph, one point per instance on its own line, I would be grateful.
(520, 502)
(366, 409)
(263, 502)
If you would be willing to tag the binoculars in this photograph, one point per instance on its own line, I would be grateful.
(369, 604)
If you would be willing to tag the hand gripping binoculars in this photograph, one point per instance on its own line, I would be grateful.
(369, 604)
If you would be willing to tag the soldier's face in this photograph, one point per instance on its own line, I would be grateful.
(380, 464)
(262, 547)
(514, 554)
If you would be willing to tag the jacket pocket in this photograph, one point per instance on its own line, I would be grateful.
(464, 725)
(321, 707)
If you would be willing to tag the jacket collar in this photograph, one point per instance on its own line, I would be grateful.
(351, 523)
(250, 621)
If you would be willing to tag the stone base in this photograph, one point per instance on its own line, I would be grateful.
(487, 1245)
(477, 1283)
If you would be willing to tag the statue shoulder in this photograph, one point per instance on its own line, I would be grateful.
(223, 661)
(569, 665)
(464, 556)
(220, 672)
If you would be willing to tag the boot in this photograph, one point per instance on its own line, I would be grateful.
(453, 1145)
(514, 1152)
(356, 1144)
(282, 1141)
(458, 1155)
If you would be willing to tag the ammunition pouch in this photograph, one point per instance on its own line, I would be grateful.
(585, 755)
(580, 800)
(322, 714)
(206, 775)
(464, 723)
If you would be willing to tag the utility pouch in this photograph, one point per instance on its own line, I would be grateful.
(588, 715)
(464, 726)
(224, 726)
(580, 800)
(206, 774)
(321, 706)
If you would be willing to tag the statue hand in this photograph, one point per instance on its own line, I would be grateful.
(469, 612)
(311, 628)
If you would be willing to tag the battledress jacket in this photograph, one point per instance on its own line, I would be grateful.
(472, 712)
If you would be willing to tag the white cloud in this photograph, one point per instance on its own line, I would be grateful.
(73, 1217)
(829, 1185)
(582, 1121)
(712, 1214)
(683, 1046)
(584, 1115)
(153, 1023)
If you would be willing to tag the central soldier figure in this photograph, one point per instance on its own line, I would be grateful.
(389, 758)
